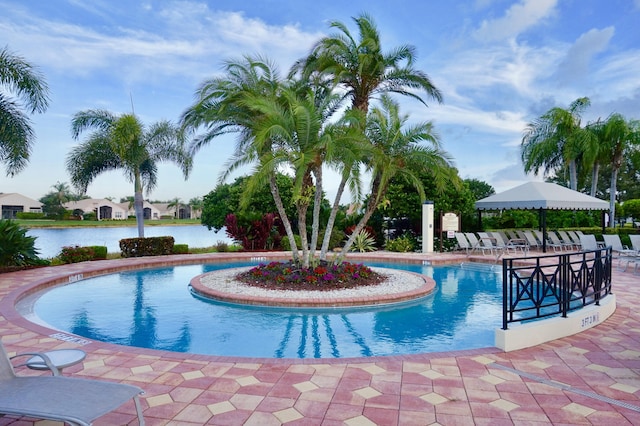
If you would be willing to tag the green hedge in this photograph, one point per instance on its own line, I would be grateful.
(181, 249)
(154, 246)
(75, 254)
(29, 215)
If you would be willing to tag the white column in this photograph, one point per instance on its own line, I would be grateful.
(427, 227)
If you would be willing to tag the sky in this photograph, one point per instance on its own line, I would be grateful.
(498, 63)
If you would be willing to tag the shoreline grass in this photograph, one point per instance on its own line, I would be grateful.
(47, 223)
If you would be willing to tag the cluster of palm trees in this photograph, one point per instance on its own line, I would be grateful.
(319, 117)
(557, 141)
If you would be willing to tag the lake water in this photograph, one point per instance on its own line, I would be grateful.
(49, 241)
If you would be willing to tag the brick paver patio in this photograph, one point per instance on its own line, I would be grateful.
(589, 378)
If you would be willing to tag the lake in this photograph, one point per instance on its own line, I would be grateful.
(49, 241)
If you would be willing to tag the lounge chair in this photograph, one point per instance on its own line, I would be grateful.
(616, 245)
(635, 242)
(575, 237)
(555, 242)
(588, 242)
(509, 244)
(488, 243)
(620, 252)
(463, 243)
(532, 242)
(567, 240)
(66, 399)
(473, 240)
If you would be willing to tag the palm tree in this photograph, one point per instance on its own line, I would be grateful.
(556, 140)
(16, 133)
(299, 120)
(175, 204)
(226, 105)
(363, 68)
(122, 142)
(621, 137)
(398, 153)
(196, 205)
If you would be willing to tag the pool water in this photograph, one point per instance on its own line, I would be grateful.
(155, 309)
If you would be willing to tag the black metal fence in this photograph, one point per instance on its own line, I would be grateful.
(553, 285)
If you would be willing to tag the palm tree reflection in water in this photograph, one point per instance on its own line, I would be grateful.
(144, 326)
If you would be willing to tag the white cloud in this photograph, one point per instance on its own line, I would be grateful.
(517, 19)
(575, 65)
(195, 41)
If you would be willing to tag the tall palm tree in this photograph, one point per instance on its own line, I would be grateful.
(16, 134)
(622, 137)
(556, 140)
(122, 142)
(361, 66)
(227, 105)
(196, 205)
(398, 152)
(175, 204)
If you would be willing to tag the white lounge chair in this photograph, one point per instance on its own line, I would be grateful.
(488, 243)
(530, 239)
(555, 242)
(588, 242)
(66, 399)
(463, 243)
(567, 240)
(620, 252)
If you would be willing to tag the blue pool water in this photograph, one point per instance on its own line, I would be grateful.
(155, 309)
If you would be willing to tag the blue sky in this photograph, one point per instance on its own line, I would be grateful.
(498, 63)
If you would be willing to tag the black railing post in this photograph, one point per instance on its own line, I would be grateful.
(597, 280)
(506, 269)
(564, 285)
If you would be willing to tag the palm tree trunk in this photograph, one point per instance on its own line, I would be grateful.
(376, 194)
(275, 192)
(594, 178)
(302, 225)
(573, 175)
(612, 197)
(138, 204)
(332, 218)
(317, 201)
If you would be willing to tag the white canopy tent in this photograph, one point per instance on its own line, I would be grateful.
(541, 196)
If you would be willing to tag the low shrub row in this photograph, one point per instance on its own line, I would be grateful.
(75, 254)
(153, 246)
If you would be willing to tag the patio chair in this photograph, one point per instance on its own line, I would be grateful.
(66, 399)
(463, 243)
(509, 244)
(488, 243)
(616, 245)
(567, 240)
(635, 242)
(473, 240)
(532, 242)
(620, 252)
(575, 237)
(555, 242)
(588, 242)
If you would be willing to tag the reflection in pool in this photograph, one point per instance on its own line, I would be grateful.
(155, 309)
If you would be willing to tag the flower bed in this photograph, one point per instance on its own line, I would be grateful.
(291, 276)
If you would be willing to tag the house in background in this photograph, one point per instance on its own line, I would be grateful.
(103, 208)
(150, 211)
(182, 212)
(14, 203)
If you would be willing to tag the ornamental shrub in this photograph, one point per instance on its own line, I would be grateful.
(75, 254)
(16, 247)
(401, 244)
(153, 246)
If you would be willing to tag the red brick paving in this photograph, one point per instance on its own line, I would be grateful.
(453, 388)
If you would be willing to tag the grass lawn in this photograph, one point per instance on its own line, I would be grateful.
(42, 223)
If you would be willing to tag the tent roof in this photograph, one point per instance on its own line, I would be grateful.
(541, 195)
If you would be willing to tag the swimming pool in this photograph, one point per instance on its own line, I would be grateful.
(155, 309)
